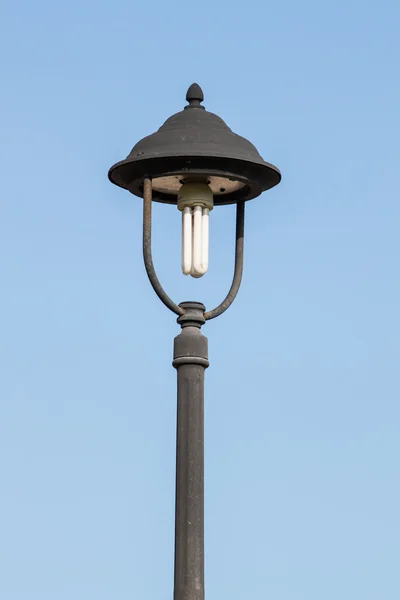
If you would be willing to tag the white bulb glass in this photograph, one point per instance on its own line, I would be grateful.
(197, 242)
(195, 200)
(205, 234)
(186, 240)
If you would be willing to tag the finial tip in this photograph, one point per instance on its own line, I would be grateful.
(195, 95)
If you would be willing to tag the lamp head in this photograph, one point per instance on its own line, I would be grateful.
(195, 144)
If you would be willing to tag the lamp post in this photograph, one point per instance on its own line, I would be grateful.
(195, 162)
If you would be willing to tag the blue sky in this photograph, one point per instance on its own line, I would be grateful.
(302, 395)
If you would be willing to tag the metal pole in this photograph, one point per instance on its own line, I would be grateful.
(190, 360)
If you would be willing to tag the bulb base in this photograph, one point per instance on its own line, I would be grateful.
(195, 194)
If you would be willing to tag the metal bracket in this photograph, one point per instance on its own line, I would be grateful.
(147, 256)
(148, 260)
(238, 272)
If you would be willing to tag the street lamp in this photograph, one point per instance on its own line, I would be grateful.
(195, 162)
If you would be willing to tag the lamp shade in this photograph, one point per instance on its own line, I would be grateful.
(196, 144)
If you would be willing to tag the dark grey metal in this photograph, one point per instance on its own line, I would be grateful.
(190, 360)
(195, 142)
(237, 276)
(148, 260)
(147, 256)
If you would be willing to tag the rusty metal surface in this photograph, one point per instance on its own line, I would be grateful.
(237, 276)
(148, 260)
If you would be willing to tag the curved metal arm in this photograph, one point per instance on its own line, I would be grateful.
(148, 260)
(237, 276)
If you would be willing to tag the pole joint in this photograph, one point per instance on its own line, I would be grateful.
(193, 315)
(191, 346)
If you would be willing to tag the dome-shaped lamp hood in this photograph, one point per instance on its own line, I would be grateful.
(195, 143)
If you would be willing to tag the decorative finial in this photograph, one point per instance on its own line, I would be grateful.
(195, 96)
